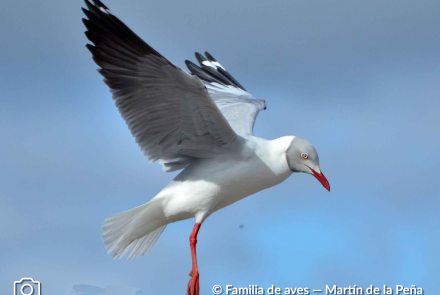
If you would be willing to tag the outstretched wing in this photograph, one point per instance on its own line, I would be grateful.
(168, 111)
(237, 105)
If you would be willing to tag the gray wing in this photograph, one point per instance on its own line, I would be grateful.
(237, 105)
(168, 111)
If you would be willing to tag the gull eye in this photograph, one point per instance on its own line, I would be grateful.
(305, 156)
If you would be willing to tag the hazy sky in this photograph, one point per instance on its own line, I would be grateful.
(358, 79)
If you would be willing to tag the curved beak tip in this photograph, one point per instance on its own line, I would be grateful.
(324, 182)
(321, 178)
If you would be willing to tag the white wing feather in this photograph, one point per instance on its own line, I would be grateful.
(238, 106)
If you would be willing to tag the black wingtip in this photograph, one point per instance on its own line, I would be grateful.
(200, 58)
(85, 22)
(88, 4)
(187, 62)
(96, 7)
(209, 56)
(99, 4)
(91, 48)
(192, 67)
(211, 73)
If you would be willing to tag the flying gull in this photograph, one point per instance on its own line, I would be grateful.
(200, 122)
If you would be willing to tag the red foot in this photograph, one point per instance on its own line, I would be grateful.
(193, 284)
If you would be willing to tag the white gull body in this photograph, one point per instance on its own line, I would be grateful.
(212, 184)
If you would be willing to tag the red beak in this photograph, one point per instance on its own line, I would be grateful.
(321, 179)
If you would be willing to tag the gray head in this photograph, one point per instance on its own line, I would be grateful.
(302, 157)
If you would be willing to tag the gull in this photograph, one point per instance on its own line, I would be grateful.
(201, 122)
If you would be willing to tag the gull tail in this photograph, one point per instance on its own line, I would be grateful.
(134, 231)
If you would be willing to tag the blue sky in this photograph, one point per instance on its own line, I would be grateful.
(358, 79)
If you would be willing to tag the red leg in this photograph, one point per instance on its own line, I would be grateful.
(193, 285)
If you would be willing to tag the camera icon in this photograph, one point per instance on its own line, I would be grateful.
(27, 286)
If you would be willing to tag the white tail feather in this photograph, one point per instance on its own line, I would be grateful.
(134, 231)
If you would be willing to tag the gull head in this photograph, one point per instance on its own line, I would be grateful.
(302, 157)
